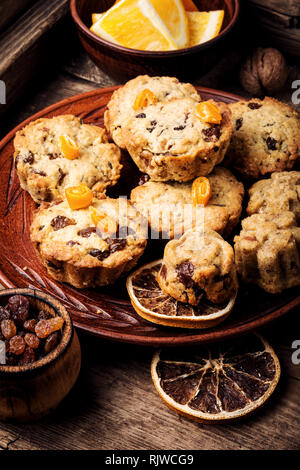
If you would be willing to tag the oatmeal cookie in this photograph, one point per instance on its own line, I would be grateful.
(45, 172)
(169, 142)
(267, 251)
(266, 137)
(199, 265)
(170, 211)
(73, 250)
(121, 105)
(277, 194)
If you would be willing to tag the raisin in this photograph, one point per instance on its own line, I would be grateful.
(143, 179)
(100, 255)
(29, 159)
(44, 315)
(212, 132)
(271, 143)
(185, 273)
(52, 341)
(87, 232)
(29, 325)
(44, 328)
(116, 244)
(254, 105)
(238, 124)
(4, 313)
(163, 271)
(53, 156)
(39, 172)
(32, 340)
(72, 243)
(179, 128)
(150, 129)
(17, 345)
(141, 115)
(60, 222)
(28, 357)
(153, 123)
(8, 329)
(19, 307)
(61, 176)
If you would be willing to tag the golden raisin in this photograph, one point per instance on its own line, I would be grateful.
(32, 340)
(8, 329)
(44, 328)
(17, 345)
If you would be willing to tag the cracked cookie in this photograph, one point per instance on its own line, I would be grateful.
(265, 138)
(267, 251)
(277, 194)
(77, 251)
(200, 265)
(123, 102)
(169, 141)
(52, 154)
(170, 210)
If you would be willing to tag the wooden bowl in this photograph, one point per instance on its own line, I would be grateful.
(29, 392)
(123, 63)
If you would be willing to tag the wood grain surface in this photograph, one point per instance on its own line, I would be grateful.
(114, 404)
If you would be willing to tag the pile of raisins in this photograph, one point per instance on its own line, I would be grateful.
(29, 335)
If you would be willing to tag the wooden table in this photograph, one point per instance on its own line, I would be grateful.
(114, 404)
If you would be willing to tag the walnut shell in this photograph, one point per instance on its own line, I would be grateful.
(264, 72)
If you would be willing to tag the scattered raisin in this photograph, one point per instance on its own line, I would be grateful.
(39, 172)
(60, 222)
(29, 159)
(52, 341)
(100, 255)
(45, 327)
(53, 156)
(141, 115)
(17, 345)
(185, 273)
(212, 132)
(254, 105)
(238, 124)
(72, 243)
(8, 329)
(87, 232)
(143, 179)
(19, 307)
(150, 129)
(271, 143)
(116, 244)
(179, 128)
(61, 176)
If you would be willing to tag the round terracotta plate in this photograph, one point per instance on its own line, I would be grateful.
(107, 312)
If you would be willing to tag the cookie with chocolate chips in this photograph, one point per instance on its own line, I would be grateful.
(265, 139)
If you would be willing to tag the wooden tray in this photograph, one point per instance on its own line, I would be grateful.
(117, 320)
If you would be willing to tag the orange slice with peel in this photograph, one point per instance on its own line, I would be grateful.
(145, 24)
(208, 112)
(201, 191)
(79, 197)
(69, 148)
(143, 99)
(204, 25)
(218, 383)
(151, 303)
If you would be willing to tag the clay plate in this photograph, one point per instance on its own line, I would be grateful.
(107, 312)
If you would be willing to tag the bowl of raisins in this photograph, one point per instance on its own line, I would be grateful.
(40, 354)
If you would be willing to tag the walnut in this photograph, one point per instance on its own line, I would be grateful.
(264, 72)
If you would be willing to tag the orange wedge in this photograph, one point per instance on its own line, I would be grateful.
(150, 25)
(204, 25)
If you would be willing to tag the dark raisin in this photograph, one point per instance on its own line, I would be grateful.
(254, 105)
(271, 143)
(61, 176)
(87, 232)
(185, 273)
(179, 128)
(143, 179)
(150, 129)
(39, 172)
(32, 340)
(141, 115)
(163, 271)
(72, 243)
(44, 315)
(153, 123)
(17, 345)
(29, 325)
(60, 222)
(4, 313)
(41, 227)
(53, 156)
(8, 329)
(52, 341)
(212, 132)
(238, 124)
(215, 149)
(100, 255)
(28, 357)
(29, 158)
(116, 244)
(19, 307)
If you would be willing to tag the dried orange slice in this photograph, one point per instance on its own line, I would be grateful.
(151, 303)
(69, 148)
(204, 25)
(150, 25)
(201, 191)
(143, 99)
(105, 223)
(218, 383)
(208, 112)
(79, 197)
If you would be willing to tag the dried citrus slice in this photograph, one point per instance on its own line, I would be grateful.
(151, 303)
(222, 382)
(204, 25)
(145, 24)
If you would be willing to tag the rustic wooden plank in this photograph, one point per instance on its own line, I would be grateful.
(288, 7)
(27, 48)
(10, 9)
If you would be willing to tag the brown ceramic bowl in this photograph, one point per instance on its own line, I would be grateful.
(123, 63)
(29, 392)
